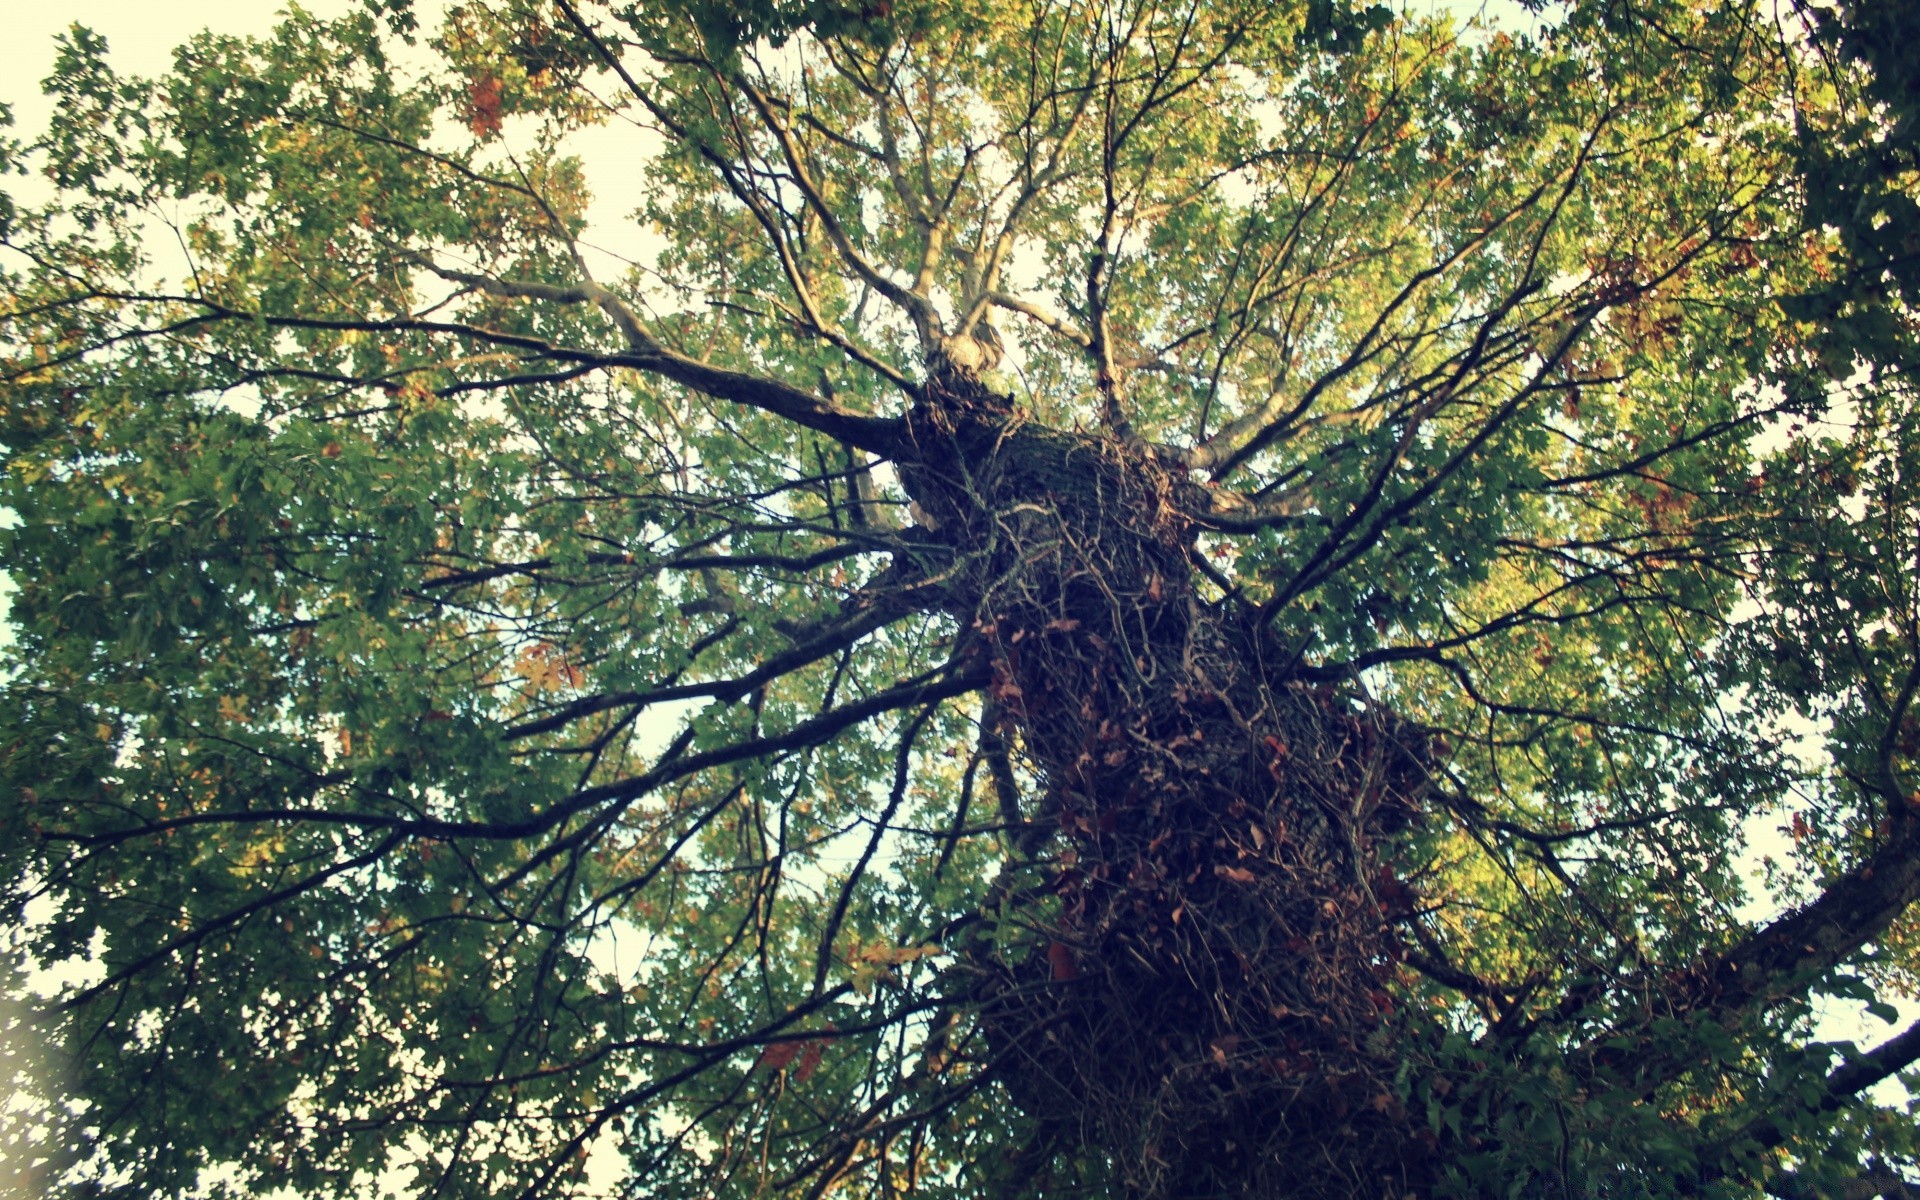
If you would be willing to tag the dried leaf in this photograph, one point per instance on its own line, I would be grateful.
(1060, 957)
(780, 1054)
(483, 102)
(809, 1060)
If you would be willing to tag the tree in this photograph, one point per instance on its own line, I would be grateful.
(1166, 600)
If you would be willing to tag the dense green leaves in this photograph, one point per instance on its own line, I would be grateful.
(474, 717)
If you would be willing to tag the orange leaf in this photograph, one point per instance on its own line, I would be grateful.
(1237, 874)
(483, 97)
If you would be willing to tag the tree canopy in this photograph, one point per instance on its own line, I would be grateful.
(1151, 598)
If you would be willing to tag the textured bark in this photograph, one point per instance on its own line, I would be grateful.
(1192, 975)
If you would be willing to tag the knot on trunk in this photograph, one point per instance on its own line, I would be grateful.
(971, 354)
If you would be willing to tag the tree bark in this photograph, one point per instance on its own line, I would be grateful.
(1195, 972)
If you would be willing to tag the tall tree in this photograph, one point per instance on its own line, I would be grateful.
(1153, 599)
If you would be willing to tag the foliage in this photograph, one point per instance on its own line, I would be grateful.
(1170, 600)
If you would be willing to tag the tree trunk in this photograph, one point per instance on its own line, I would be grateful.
(1192, 976)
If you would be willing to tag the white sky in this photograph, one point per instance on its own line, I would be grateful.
(141, 34)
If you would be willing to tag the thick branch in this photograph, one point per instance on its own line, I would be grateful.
(674, 765)
(876, 614)
(1776, 960)
(878, 435)
(1841, 1085)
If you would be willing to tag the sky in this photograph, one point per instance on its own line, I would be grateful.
(141, 33)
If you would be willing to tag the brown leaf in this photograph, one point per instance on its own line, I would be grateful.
(809, 1060)
(1223, 1046)
(1060, 957)
(483, 99)
(780, 1054)
(1237, 874)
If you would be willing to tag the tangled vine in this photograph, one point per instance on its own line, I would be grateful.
(1192, 974)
